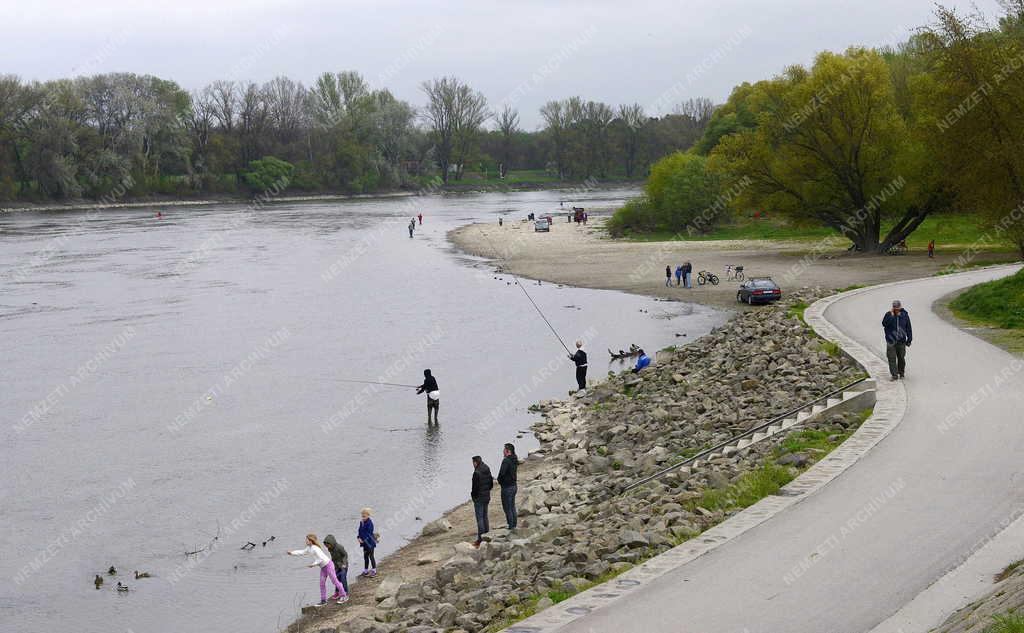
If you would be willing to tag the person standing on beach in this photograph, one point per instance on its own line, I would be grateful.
(499, 221)
(580, 359)
(898, 336)
(507, 479)
(679, 275)
(368, 541)
(668, 276)
(480, 493)
(326, 565)
(429, 387)
(340, 558)
(687, 272)
(412, 226)
(420, 216)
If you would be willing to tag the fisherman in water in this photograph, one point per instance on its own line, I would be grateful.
(580, 359)
(429, 386)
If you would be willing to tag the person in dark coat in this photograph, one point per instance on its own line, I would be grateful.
(480, 493)
(580, 359)
(668, 276)
(367, 538)
(429, 387)
(898, 336)
(507, 477)
(340, 558)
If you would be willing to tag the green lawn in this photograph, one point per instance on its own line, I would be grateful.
(950, 232)
(998, 303)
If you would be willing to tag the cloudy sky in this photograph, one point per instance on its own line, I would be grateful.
(525, 52)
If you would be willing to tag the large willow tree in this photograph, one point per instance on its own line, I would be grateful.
(830, 146)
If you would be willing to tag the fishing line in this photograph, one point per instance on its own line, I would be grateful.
(375, 382)
(523, 288)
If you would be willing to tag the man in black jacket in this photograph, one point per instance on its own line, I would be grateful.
(898, 336)
(507, 476)
(580, 358)
(481, 496)
(429, 387)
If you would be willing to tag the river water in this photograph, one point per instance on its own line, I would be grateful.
(173, 385)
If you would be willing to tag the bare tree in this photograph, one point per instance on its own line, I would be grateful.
(455, 113)
(508, 124)
(633, 119)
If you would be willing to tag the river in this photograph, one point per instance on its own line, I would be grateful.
(175, 384)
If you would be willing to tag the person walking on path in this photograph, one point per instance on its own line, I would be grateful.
(326, 565)
(687, 272)
(368, 541)
(507, 478)
(420, 216)
(898, 336)
(580, 359)
(668, 276)
(931, 249)
(429, 387)
(679, 275)
(480, 493)
(340, 558)
(412, 227)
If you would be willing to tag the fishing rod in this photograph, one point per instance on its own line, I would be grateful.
(375, 382)
(523, 288)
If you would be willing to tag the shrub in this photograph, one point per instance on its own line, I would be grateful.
(269, 174)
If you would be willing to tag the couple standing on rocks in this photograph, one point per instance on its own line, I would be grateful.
(483, 482)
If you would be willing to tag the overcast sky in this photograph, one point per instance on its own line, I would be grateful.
(525, 52)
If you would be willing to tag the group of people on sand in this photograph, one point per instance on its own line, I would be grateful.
(332, 559)
(684, 274)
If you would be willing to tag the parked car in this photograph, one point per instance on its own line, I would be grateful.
(758, 290)
(542, 224)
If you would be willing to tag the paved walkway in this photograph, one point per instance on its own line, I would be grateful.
(847, 557)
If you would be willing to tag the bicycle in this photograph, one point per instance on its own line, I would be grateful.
(706, 276)
(900, 248)
(733, 273)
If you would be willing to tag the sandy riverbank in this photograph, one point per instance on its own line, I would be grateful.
(585, 256)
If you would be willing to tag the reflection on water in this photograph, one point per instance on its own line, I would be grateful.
(221, 429)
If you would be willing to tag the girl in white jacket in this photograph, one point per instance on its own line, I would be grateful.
(323, 560)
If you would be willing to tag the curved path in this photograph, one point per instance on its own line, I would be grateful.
(843, 559)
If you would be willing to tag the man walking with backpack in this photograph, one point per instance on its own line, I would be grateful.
(898, 336)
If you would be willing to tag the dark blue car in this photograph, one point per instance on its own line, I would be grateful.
(758, 290)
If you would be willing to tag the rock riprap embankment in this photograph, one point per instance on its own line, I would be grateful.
(575, 527)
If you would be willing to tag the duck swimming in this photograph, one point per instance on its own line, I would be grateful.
(144, 574)
(112, 571)
(98, 581)
(121, 587)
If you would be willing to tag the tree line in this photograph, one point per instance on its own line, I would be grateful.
(133, 135)
(869, 142)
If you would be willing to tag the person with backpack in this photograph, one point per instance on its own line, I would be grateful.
(507, 479)
(898, 336)
(480, 493)
(368, 541)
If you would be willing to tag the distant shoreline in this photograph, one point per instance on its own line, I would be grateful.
(158, 201)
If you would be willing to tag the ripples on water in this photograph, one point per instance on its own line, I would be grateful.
(122, 324)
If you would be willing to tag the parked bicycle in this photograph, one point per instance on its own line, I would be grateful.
(733, 273)
(899, 248)
(706, 276)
